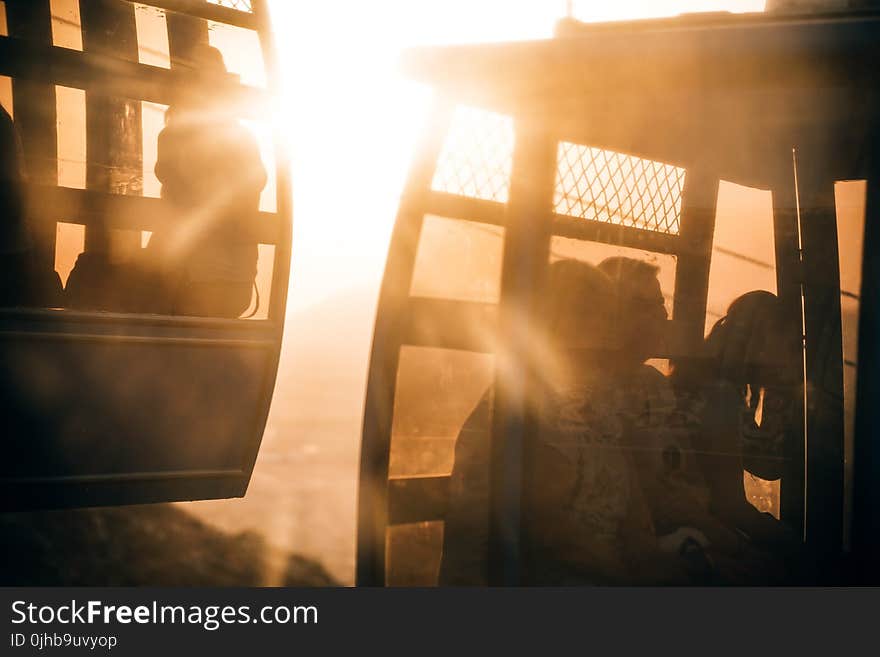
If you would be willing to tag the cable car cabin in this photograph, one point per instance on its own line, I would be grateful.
(146, 241)
(616, 339)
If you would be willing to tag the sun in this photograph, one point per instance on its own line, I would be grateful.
(352, 122)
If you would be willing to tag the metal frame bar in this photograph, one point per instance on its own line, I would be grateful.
(114, 136)
(866, 492)
(209, 11)
(21, 59)
(605, 233)
(526, 258)
(79, 493)
(388, 337)
(789, 281)
(36, 118)
(824, 351)
(176, 340)
(465, 208)
(91, 207)
(699, 208)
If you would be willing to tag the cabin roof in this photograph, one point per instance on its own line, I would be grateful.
(731, 92)
(702, 50)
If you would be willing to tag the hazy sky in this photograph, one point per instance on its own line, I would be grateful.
(353, 121)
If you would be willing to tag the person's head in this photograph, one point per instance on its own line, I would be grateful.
(574, 311)
(206, 78)
(205, 60)
(640, 309)
(748, 343)
(11, 156)
(576, 304)
(14, 235)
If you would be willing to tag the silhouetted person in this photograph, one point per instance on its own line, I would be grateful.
(584, 517)
(669, 470)
(204, 261)
(23, 282)
(742, 396)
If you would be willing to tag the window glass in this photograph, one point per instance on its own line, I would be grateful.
(69, 243)
(241, 50)
(259, 307)
(616, 188)
(6, 95)
(743, 247)
(458, 260)
(595, 252)
(71, 130)
(439, 448)
(170, 222)
(262, 133)
(66, 24)
(743, 260)
(5, 81)
(437, 391)
(152, 36)
(239, 5)
(477, 155)
(850, 202)
(152, 122)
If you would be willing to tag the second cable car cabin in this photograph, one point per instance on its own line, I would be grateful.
(731, 155)
(146, 245)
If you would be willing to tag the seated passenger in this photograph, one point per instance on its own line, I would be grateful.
(204, 262)
(464, 560)
(742, 397)
(23, 280)
(584, 517)
(585, 520)
(670, 472)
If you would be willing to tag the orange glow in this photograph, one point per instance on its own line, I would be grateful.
(352, 126)
(354, 121)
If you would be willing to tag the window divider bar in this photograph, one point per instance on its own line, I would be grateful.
(209, 11)
(109, 76)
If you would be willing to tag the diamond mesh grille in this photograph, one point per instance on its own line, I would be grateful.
(615, 188)
(240, 5)
(477, 156)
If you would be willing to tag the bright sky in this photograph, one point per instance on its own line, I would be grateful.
(354, 121)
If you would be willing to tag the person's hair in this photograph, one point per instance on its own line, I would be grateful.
(734, 338)
(203, 95)
(636, 289)
(627, 272)
(574, 288)
(731, 344)
(205, 59)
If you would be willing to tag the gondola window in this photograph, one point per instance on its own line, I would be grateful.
(477, 155)
(179, 130)
(601, 185)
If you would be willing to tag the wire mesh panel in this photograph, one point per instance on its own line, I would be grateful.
(240, 5)
(616, 188)
(477, 156)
